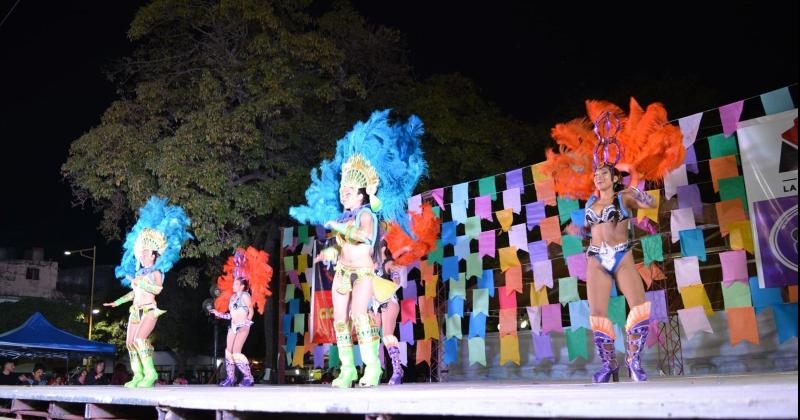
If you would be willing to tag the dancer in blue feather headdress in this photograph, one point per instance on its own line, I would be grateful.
(151, 248)
(369, 181)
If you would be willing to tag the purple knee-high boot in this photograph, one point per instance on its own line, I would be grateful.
(634, 350)
(244, 367)
(397, 368)
(605, 349)
(230, 370)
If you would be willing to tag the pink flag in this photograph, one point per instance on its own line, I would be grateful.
(483, 207)
(681, 219)
(438, 196)
(486, 244)
(729, 114)
(415, 204)
(734, 267)
(576, 265)
(551, 318)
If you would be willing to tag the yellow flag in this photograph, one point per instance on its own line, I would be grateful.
(431, 326)
(299, 352)
(538, 297)
(695, 295)
(508, 258)
(741, 236)
(651, 214)
(509, 349)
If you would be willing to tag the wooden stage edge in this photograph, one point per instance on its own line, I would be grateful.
(751, 396)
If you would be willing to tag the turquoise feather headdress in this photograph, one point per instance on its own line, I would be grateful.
(391, 150)
(161, 228)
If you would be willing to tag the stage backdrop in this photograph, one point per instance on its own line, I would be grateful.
(503, 295)
(769, 160)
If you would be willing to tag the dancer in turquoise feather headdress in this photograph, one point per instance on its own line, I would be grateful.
(370, 179)
(151, 248)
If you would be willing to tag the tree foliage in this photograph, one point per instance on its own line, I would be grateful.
(225, 106)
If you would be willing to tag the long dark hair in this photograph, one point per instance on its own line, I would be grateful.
(365, 199)
(245, 284)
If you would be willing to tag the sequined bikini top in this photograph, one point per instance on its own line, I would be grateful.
(237, 303)
(609, 214)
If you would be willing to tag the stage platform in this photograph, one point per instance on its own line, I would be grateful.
(732, 396)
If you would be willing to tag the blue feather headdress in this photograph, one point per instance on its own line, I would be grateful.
(392, 150)
(161, 228)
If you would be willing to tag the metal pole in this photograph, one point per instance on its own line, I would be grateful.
(91, 294)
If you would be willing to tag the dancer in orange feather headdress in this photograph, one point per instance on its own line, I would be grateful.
(587, 167)
(400, 250)
(244, 286)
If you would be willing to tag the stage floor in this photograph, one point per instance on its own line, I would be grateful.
(731, 396)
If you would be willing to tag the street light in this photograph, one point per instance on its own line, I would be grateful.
(80, 252)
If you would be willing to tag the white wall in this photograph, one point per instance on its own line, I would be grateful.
(13, 281)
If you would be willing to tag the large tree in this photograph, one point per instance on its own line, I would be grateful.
(225, 106)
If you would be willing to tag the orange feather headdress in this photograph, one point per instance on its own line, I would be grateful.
(647, 146)
(426, 228)
(252, 265)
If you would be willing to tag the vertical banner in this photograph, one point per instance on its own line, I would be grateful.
(768, 148)
(321, 319)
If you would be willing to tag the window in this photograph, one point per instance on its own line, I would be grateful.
(32, 273)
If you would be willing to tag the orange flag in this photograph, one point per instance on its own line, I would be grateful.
(425, 270)
(649, 273)
(514, 279)
(792, 293)
(545, 191)
(721, 168)
(426, 309)
(551, 229)
(742, 325)
(430, 286)
(424, 351)
(508, 321)
(729, 212)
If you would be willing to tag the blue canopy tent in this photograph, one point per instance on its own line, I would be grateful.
(36, 338)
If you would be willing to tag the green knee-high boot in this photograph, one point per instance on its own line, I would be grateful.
(136, 367)
(368, 344)
(148, 369)
(344, 344)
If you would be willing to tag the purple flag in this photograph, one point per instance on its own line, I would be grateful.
(551, 318)
(734, 267)
(534, 213)
(689, 196)
(319, 356)
(576, 265)
(483, 207)
(542, 347)
(320, 232)
(294, 279)
(514, 180)
(776, 228)
(486, 244)
(691, 160)
(658, 305)
(538, 251)
(407, 332)
(729, 114)
(410, 291)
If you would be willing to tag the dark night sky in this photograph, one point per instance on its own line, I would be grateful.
(533, 59)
